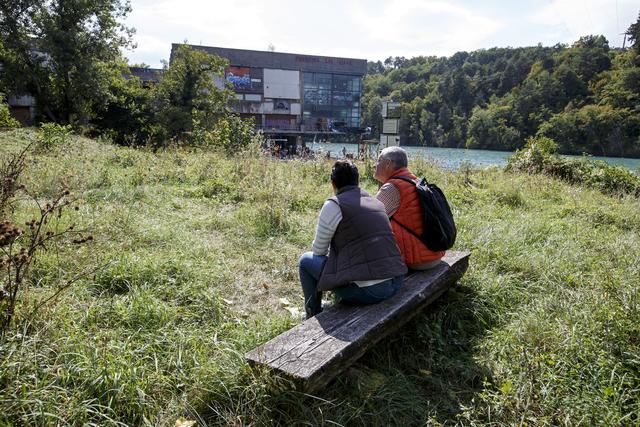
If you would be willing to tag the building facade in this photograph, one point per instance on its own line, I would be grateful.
(292, 94)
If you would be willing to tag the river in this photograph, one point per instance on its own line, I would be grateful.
(451, 158)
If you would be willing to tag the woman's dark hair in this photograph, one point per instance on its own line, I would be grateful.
(344, 173)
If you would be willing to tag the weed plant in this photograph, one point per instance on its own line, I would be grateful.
(200, 250)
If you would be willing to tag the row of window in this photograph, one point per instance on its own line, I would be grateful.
(332, 111)
(337, 82)
(312, 121)
(325, 97)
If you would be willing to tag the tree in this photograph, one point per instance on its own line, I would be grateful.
(597, 129)
(188, 95)
(372, 111)
(490, 128)
(574, 88)
(588, 57)
(508, 79)
(620, 88)
(398, 61)
(64, 52)
(633, 33)
(129, 116)
(375, 67)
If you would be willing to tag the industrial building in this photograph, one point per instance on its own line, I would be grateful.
(293, 95)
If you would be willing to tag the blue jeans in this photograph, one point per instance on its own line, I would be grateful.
(311, 265)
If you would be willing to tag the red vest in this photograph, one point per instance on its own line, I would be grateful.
(410, 215)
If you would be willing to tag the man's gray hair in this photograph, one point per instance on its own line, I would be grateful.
(397, 155)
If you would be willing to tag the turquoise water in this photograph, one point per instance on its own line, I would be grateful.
(451, 158)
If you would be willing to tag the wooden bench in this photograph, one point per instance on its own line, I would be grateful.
(319, 349)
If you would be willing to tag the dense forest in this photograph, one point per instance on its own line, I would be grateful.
(585, 96)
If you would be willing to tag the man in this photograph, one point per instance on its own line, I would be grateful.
(354, 251)
(402, 205)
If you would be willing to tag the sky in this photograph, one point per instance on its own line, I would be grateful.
(371, 29)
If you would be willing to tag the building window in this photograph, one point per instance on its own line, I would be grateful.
(331, 97)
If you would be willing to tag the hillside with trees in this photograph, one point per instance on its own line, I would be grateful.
(585, 96)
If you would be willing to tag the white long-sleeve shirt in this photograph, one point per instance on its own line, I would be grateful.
(330, 217)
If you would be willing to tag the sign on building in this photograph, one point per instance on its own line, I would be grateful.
(389, 141)
(390, 125)
(280, 106)
(391, 110)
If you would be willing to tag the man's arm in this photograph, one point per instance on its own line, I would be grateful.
(330, 217)
(389, 195)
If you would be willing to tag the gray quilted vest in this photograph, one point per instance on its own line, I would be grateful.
(363, 246)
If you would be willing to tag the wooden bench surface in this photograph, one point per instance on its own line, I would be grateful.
(317, 350)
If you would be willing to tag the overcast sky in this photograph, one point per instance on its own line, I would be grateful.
(371, 29)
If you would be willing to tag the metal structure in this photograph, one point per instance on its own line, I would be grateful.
(390, 124)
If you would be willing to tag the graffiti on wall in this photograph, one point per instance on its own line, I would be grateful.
(239, 77)
(281, 106)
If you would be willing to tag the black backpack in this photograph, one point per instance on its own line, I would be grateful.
(439, 228)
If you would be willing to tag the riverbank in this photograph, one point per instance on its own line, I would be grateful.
(453, 158)
(198, 255)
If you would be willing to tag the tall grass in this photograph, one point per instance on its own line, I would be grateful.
(197, 251)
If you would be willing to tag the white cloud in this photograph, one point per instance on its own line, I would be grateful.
(371, 29)
(420, 27)
(577, 18)
(158, 24)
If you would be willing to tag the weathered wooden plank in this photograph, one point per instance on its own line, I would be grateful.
(317, 350)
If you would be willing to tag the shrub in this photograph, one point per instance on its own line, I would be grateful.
(231, 133)
(533, 156)
(538, 156)
(52, 134)
(6, 121)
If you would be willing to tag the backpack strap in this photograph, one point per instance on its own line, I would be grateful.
(414, 182)
(404, 178)
(410, 231)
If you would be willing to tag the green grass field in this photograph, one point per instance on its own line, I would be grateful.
(194, 262)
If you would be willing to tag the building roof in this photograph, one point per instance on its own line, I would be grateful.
(145, 74)
(286, 61)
